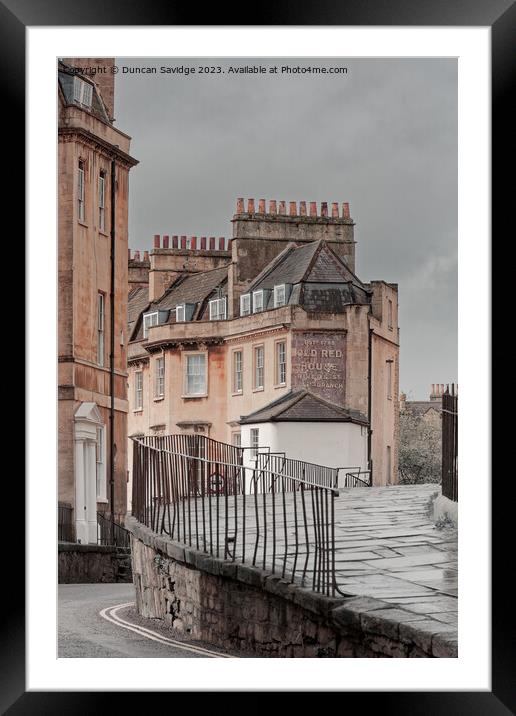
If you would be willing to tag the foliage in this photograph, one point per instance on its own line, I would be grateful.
(420, 449)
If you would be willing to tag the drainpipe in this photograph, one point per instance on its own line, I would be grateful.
(112, 354)
(369, 406)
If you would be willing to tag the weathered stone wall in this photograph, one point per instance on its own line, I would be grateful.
(236, 606)
(90, 563)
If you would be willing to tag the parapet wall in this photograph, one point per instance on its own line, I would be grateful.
(240, 607)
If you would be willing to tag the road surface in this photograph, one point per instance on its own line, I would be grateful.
(98, 620)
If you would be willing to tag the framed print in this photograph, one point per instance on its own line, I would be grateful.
(250, 460)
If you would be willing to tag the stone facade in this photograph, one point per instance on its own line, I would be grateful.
(346, 352)
(236, 606)
(93, 564)
(88, 144)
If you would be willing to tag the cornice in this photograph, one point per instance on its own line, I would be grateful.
(74, 133)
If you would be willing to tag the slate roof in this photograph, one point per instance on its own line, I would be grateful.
(420, 407)
(65, 77)
(137, 301)
(320, 280)
(196, 288)
(303, 406)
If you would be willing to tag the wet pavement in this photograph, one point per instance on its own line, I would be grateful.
(387, 547)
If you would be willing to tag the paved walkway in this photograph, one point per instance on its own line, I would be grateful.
(387, 547)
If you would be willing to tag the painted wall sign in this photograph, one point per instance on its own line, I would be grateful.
(318, 363)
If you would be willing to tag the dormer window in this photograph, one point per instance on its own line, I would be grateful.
(149, 319)
(279, 295)
(218, 309)
(257, 301)
(180, 313)
(82, 92)
(245, 304)
(282, 294)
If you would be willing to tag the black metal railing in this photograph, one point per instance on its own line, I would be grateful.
(354, 477)
(450, 404)
(111, 533)
(278, 515)
(65, 525)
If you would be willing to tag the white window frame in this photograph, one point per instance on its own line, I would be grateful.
(101, 314)
(159, 382)
(238, 371)
(138, 390)
(102, 201)
(218, 309)
(254, 435)
(257, 309)
(149, 323)
(258, 384)
(181, 313)
(277, 292)
(82, 92)
(100, 464)
(186, 388)
(236, 439)
(245, 304)
(281, 366)
(81, 176)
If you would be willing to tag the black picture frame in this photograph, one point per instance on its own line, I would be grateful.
(500, 16)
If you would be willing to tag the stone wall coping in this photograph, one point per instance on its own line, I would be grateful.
(77, 547)
(346, 614)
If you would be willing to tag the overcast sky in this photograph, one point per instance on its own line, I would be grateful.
(382, 137)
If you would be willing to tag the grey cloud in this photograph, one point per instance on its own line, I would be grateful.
(383, 137)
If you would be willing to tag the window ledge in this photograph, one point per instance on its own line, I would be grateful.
(102, 500)
(200, 395)
(138, 410)
(258, 390)
(104, 233)
(159, 399)
(86, 226)
(238, 392)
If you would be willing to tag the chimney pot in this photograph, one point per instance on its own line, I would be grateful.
(282, 208)
(203, 243)
(335, 210)
(324, 208)
(302, 208)
(136, 255)
(261, 206)
(272, 206)
(212, 243)
(145, 255)
(313, 208)
(175, 242)
(156, 240)
(193, 243)
(293, 208)
(183, 242)
(250, 206)
(345, 210)
(240, 206)
(166, 241)
(222, 243)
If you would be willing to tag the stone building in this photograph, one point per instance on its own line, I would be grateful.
(429, 411)
(92, 270)
(268, 340)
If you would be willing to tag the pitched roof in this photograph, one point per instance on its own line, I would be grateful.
(137, 300)
(192, 288)
(303, 406)
(421, 407)
(312, 262)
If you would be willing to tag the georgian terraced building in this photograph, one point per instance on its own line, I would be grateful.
(268, 340)
(94, 164)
